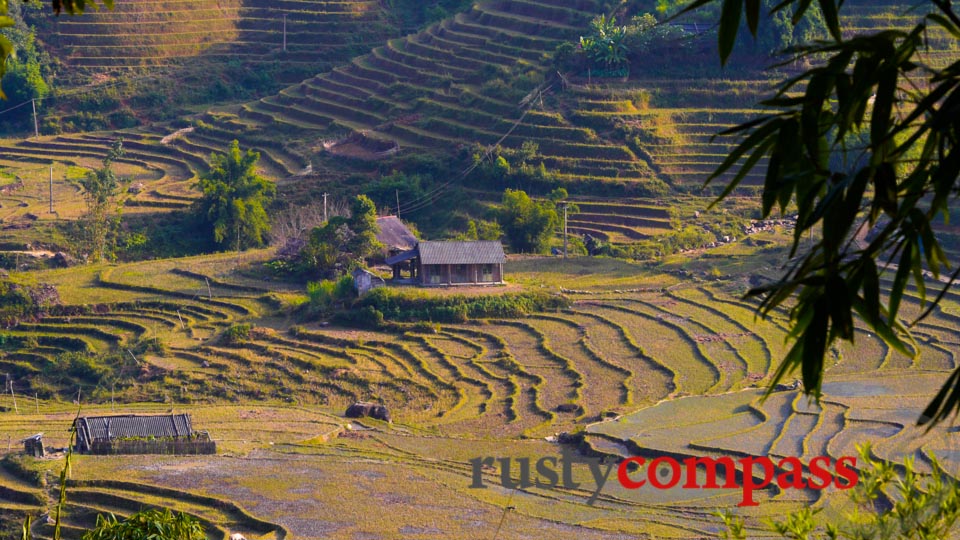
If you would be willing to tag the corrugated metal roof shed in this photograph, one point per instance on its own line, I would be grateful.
(480, 252)
(92, 428)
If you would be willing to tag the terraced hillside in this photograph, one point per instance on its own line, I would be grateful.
(443, 88)
(140, 33)
(630, 341)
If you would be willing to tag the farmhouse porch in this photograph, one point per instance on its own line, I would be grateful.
(450, 263)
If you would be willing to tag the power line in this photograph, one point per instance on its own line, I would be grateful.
(428, 199)
(25, 103)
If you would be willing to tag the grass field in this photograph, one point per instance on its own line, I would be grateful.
(679, 363)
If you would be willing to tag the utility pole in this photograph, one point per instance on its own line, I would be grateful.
(51, 189)
(284, 32)
(36, 128)
(14, 396)
(397, 193)
(564, 230)
(324, 207)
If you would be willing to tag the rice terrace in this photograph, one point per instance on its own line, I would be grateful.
(445, 269)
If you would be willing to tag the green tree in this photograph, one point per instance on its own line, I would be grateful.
(27, 74)
(876, 85)
(363, 224)
(342, 243)
(152, 524)
(8, 47)
(234, 200)
(528, 224)
(605, 44)
(101, 223)
(482, 230)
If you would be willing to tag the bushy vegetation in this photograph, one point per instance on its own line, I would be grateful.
(100, 226)
(926, 506)
(150, 524)
(19, 300)
(325, 295)
(529, 225)
(28, 74)
(393, 305)
(417, 13)
(342, 243)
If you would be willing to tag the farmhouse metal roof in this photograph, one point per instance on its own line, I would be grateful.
(482, 252)
(394, 234)
(92, 428)
(400, 257)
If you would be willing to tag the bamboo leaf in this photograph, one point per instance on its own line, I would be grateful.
(729, 25)
(831, 17)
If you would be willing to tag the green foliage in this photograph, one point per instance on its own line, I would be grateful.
(23, 68)
(325, 295)
(80, 366)
(15, 301)
(645, 35)
(151, 524)
(237, 334)
(924, 507)
(482, 230)
(527, 224)
(385, 191)
(234, 200)
(413, 14)
(867, 83)
(605, 44)
(341, 243)
(386, 304)
(101, 224)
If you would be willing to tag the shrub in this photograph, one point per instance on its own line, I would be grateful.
(386, 304)
(237, 334)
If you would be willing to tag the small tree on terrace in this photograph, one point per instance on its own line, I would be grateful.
(234, 199)
(342, 242)
(528, 224)
(101, 187)
(605, 44)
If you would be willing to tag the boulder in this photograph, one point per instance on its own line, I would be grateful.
(363, 409)
(62, 260)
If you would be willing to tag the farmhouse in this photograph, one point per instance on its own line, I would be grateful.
(451, 263)
(141, 434)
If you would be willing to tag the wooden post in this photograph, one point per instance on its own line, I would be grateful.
(36, 399)
(14, 396)
(51, 189)
(36, 129)
(564, 230)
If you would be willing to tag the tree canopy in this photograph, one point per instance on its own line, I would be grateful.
(874, 98)
(235, 198)
(101, 187)
(8, 47)
(528, 224)
(342, 243)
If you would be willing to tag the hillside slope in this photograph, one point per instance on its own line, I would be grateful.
(139, 33)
